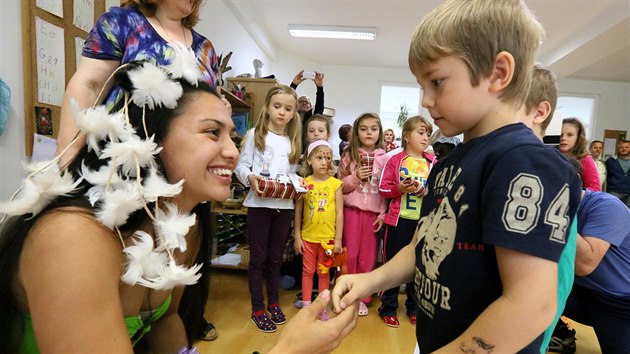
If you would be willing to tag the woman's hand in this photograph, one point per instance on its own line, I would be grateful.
(305, 333)
(298, 79)
(319, 79)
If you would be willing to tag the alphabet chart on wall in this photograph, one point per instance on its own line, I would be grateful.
(53, 32)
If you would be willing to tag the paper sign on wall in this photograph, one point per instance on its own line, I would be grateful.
(78, 49)
(610, 147)
(51, 72)
(83, 14)
(55, 7)
(110, 3)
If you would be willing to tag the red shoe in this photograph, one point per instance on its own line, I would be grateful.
(412, 319)
(391, 321)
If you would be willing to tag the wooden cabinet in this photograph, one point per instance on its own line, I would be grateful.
(256, 90)
(230, 228)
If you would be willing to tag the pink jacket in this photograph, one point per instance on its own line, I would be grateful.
(363, 195)
(389, 184)
(590, 176)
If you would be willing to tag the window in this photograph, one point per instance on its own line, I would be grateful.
(394, 95)
(582, 107)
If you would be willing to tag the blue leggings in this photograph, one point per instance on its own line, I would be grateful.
(608, 315)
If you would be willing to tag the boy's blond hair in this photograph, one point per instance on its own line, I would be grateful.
(543, 88)
(476, 31)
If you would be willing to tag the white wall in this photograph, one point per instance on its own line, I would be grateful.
(12, 140)
(613, 108)
(227, 35)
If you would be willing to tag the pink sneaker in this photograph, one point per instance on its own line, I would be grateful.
(363, 309)
(324, 316)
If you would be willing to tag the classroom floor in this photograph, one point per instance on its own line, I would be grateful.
(229, 310)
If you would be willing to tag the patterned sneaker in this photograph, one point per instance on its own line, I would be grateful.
(562, 340)
(262, 321)
(363, 309)
(412, 319)
(277, 316)
(391, 321)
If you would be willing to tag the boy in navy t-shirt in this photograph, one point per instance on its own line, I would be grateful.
(498, 210)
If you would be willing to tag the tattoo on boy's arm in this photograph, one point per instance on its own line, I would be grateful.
(479, 346)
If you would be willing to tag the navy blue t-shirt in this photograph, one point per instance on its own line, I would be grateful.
(504, 189)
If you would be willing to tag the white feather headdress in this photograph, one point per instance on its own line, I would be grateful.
(118, 188)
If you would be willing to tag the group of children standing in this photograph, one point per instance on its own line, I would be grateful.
(345, 209)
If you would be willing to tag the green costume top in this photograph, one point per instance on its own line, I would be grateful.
(137, 327)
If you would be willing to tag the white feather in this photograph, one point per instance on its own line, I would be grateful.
(174, 275)
(171, 227)
(40, 166)
(97, 125)
(184, 64)
(153, 88)
(125, 153)
(155, 186)
(118, 204)
(104, 175)
(38, 191)
(142, 261)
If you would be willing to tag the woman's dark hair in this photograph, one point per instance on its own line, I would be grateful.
(15, 230)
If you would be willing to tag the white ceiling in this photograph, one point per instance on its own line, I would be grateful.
(586, 39)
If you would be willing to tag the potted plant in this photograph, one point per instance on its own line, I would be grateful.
(402, 115)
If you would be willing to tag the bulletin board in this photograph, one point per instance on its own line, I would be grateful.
(53, 32)
(611, 141)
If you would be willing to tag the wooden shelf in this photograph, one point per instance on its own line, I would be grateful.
(237, 103)
(239, 266)
(256, 90)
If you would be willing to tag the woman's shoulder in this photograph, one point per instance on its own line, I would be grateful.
(71, 228)
(122, 14)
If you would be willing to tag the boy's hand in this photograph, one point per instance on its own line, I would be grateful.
(323, 337)
(349, 289)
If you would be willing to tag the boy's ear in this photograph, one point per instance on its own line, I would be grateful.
(502, 72)
(542, 112)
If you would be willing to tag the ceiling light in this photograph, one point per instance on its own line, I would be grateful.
(337, 32)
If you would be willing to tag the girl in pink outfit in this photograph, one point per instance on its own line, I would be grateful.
(573, 143)
(364, 208)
